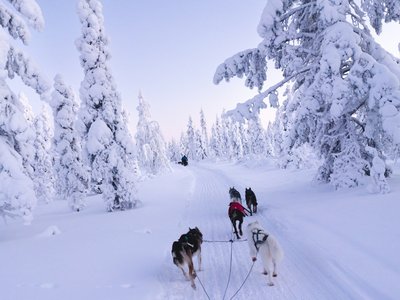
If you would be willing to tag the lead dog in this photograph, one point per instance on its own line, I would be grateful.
(183, 250)
(264, 245)
(235, 195)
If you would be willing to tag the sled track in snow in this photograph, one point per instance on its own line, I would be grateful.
(303, 274)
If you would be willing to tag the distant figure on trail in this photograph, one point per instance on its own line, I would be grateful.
(184, 161)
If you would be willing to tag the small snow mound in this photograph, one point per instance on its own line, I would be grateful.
(50, 231)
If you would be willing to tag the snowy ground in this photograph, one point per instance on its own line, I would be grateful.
(338, 245)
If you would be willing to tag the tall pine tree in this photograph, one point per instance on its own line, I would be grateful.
(106, 137)
(72, 176)
(150, 144)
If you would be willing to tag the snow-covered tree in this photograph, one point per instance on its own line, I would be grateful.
(257, 140)
(226, 138)
(190, 139)
(204, 136)
(107, 140)
(216, 139)
(237, 146)
(72, 176)
(174, 151)
(17, 196)
(150, 144)
(381, 10)
(43, 178)
(244, 137)
(337, 71)
(199, 145)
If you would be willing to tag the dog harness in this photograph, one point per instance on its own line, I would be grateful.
(187, 241)
(236, 205)
(259, 238)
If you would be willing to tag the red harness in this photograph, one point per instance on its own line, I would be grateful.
(237, 206)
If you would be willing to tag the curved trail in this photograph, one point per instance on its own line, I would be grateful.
(305, 272)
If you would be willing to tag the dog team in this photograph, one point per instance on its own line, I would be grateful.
(261, 243)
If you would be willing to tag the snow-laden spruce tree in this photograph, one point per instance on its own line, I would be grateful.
(71, 174)
(226, 139)
(204, 135)
(244, 137)
(257, 139)
(17, 197)
(237, 146)
(199, 143)
(43, 178)
(190, 147)
(106, 138)
(216, 139)
(341, 79)
(174, 151)
(150, 145)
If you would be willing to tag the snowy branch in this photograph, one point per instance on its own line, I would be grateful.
(15, 26)
(250, 63)
(30, 10)
(17, 63)
(294, 10)
(251, 107)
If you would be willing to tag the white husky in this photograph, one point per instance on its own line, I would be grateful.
(264, 245)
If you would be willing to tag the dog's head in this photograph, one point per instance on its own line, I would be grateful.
(253, 225)
(196, 232)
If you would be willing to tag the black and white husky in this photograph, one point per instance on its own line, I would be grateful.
(264, 245)
(183, 250)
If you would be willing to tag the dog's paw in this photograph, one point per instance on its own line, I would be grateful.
(193, 286)
(275, 275)
(271, 284)
(265, 273)
(254, 258)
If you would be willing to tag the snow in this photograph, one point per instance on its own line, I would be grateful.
(99, 136)
(337, 244)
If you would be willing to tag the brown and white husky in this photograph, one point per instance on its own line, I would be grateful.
(183, 250)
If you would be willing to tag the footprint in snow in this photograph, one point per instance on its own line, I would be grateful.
(50, 231)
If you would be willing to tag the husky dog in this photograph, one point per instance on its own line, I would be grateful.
(266, 246)
(235, 195)
(251, 200)
(236, 213)
(183, 250)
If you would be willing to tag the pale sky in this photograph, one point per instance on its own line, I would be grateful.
(167, 49)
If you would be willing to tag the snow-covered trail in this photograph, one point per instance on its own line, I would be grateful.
(305, 273)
